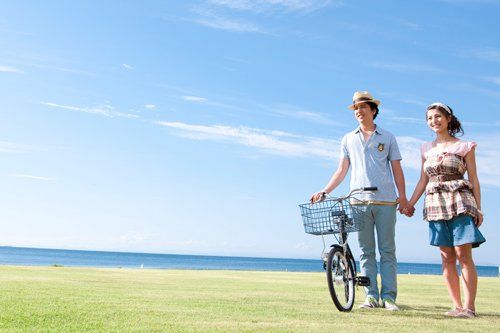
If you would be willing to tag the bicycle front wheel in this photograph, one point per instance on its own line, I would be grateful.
(340, 275)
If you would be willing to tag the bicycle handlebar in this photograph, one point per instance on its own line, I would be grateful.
(372, 188)
(361, 189)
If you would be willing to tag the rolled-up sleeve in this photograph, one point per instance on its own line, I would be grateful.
(344, 152)
(394, 153)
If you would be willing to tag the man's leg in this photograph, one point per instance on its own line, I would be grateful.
(385, 224)
(367, 260)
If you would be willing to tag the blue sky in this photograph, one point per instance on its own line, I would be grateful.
(197, 127)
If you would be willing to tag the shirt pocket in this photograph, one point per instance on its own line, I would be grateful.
(380, 150)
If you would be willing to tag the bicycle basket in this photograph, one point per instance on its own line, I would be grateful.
(332, 216)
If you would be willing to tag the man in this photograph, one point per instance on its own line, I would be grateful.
(374, 156)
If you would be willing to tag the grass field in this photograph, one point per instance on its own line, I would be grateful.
(61, 299)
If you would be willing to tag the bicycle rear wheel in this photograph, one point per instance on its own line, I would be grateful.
(340, 276)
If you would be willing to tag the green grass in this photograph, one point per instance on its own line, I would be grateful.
(61, 299)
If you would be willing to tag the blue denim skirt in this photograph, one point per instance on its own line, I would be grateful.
(458, 231)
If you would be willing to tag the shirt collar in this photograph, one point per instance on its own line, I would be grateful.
(378, 130)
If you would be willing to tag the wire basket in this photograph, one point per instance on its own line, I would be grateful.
(332, 216)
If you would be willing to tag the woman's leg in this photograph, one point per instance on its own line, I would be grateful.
(449, 258)
(469, 274)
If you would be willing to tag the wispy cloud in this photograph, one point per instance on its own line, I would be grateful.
(298, 113)
(410, 151)
(235, 25)
(404, 97)
(195, 99)
(12, 147)
(472, 2)
(260, 6)
(127, 66)
(478, 89)
(106, 110)
(220, 14)
(284, 143)
(404, 68)
(406, 23)
(274, 142)
(488, 158)
(492, 79)
(409, 120)
(150, 106)
(487, 54)
(9, 69)
(32, 177)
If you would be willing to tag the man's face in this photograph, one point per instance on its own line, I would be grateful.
(363, 112)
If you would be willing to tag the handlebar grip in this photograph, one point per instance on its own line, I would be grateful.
(372, 188)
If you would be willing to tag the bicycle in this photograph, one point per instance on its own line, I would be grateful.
(338, 216)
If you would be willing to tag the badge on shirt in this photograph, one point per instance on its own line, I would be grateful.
(380, 147)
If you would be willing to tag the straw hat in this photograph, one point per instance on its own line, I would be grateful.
(362, 97)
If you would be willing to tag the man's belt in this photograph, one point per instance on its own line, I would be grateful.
(372, 202)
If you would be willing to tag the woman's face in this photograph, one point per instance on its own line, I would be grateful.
(437, 120)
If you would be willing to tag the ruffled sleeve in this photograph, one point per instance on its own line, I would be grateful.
(426, 146)
(463, 148)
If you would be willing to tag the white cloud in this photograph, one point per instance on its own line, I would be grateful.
(487, 156)
(410, 151)
(487, 54)
(234, 25)
(274, 5)
(292, 145)
(472, 2)
(488, 159)
(8, 69)
(294, 112)
(195, 99)
(11, 147)
(407, 23)
(32, 177)
(127, 66)
(492, 79)
(274, 142)
(106, 110)
(150, 106)
(409, 120)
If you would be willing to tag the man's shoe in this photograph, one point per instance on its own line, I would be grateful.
(370, 303)
(390, 305)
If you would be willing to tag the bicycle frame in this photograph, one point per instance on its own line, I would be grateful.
(342, 238)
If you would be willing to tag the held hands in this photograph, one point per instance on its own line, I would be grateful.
(405, 207)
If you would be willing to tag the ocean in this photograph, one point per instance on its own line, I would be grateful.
(77, 258)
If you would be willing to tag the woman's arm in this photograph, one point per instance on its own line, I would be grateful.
(420, 187)
(470, 162)
(336, 179)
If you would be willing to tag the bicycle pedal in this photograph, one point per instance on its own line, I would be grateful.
(363, 281)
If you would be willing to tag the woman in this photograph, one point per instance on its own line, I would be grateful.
(452, 204)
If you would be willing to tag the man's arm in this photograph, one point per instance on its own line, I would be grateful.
(337, 178)
(399, 179)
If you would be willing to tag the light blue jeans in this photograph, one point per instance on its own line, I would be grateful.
(381, 219)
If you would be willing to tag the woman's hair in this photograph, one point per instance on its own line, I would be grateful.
(454, 126)
(374, 107)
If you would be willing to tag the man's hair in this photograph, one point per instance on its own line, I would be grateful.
(373, 106)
